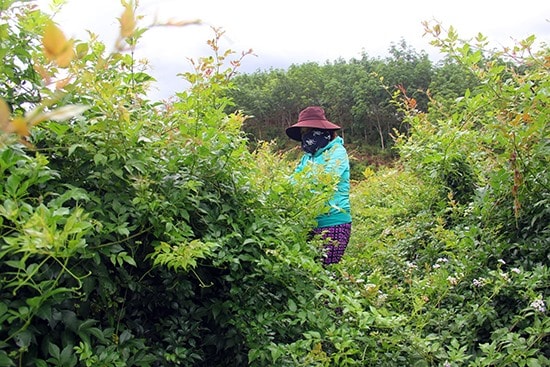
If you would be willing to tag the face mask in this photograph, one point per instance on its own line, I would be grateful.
(314, 140)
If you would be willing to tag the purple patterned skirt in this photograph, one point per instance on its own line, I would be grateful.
(338, 237)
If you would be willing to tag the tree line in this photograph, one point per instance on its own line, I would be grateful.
(358, 94)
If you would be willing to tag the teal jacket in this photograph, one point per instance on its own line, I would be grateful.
(334, 158)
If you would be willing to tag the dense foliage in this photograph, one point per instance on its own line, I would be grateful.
(462, 260)
(139, 233)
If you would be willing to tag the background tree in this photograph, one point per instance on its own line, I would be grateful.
(357, 94)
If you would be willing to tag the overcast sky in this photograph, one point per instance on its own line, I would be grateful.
(286, 32)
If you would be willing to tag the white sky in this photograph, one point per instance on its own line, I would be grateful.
(286, 32)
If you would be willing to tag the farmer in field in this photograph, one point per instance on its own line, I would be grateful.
(322, 146)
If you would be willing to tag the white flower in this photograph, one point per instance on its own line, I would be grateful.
(502, 261)
(515, 270)
(369, 286)
(442, 260)
(539, 305)
(436, 266)
(452, 280)
(382, 297)
(478, 282)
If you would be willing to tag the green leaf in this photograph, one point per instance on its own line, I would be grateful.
(5, 360)
(35, 302)
(17, 264)
(23, 338)
(3, 308)
(59, 129)
(532, 362)
(292, 305)
(72, 148)
(125, 336)
(100, 159)
(182, 256)
(67, 358)
(12, 184)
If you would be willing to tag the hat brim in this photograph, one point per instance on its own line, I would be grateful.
(293, 132)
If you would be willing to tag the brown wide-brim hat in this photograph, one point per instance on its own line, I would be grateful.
(313, 117)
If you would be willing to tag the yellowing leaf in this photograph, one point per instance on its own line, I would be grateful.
(437, 29)
(127, 21)
(181, 23)
(4, 112)
(19, 126)
(43, 73)
(317, 348)
(56, 46)
(64, 59)
(53, 40)
(66, 112)
(412, 103)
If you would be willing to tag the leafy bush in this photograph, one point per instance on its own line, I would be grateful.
(143, 234)
(451, 244)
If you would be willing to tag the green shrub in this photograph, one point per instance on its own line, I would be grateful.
(451, 244)
(142, 234)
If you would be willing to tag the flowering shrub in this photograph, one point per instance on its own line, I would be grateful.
(466, 271)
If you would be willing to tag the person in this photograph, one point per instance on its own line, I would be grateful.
(321, 145)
